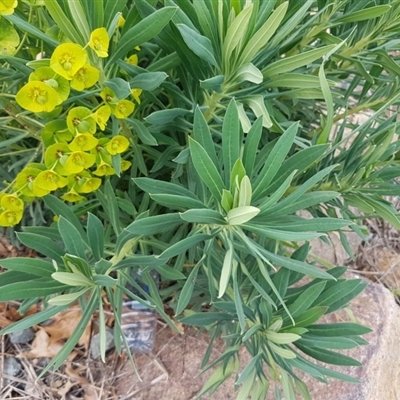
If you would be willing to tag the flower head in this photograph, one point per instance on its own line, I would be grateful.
(79, 120)
(123, 109)
(133, 59)
(125, 165)
(78, 161)
(99, 42)
(67, 59)
(50, 180)
(72, 196)
(57, 82)
(10, 218)
(55, 132)
(11, 202)
(101, 116)
(24, 182)
(37, 97)
(7, 8)
(84, 182)
(104, 169)
(83, 142)
(85, 77)
(117, 145)
(121, 21)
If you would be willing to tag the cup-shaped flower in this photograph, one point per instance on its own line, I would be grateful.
(72, 197)
(78, 161)
(123, 109)
(117, 145)
(55, 132)
(83, 142)
(49, 77)
(79, 120)
(7, 8)
(67, 59)
(84, 182)
(101, 116)
(85, 77)
(37, 97)
(11, 202)
(10, 218)
(104, 169)
(99, 41)
(56, 153)
(50, 180)
(109, 96)
(24, 182)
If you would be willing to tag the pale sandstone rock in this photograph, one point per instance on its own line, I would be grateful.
(380, 373)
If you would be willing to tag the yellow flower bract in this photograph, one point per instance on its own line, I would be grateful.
(85, 77)
(67, 59)
(7, 7)
(36, 96)
(99, 42)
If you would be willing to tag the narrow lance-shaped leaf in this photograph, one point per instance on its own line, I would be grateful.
(206, 169)
(200, 45)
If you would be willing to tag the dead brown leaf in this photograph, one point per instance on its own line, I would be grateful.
(64, 323)
(90, 392)
(42, 346)
(9, 313)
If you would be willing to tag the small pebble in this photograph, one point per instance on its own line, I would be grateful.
(22, 337)
(95, 344)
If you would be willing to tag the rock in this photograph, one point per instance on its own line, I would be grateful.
(12, 367)
(22, 337)
(95, 343)
(380, 373)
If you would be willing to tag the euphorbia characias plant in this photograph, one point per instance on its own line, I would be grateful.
(186, 138)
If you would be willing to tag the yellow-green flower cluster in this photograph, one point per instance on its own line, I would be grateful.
(77, 152)
(7, 6)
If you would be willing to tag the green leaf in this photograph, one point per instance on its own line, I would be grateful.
(249, 73)
(260, 38)
(32, 320)
(362, 15)
(143, 133)
(153, 225)
(64, 22)
(241, 215)
(79, 17)
(187, 290)
(235, 34)
(95, 233)
(59, 207)
(206, 169)
(280, 235)
(291, 63)
(200, 45)
(203, 216)
(109, 202)
(226, 271)
(162, 117)
(105, 281)
(174, 201)
(65, 299)
(66, 350)
(293, 80)
(256, 103)
(31, 289)
(42, 245)
(328, 356)
(70, 237)
(206, 318)
(148, 81)
(310, 316)
(202, 135)
(142, 32)
(29, 265)
(338, 329)
(170, 273)
(230, 139)
(72, 279)
(275, 160)
(119, 86)
(183, 245)
(251, 146)
(338, 343)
